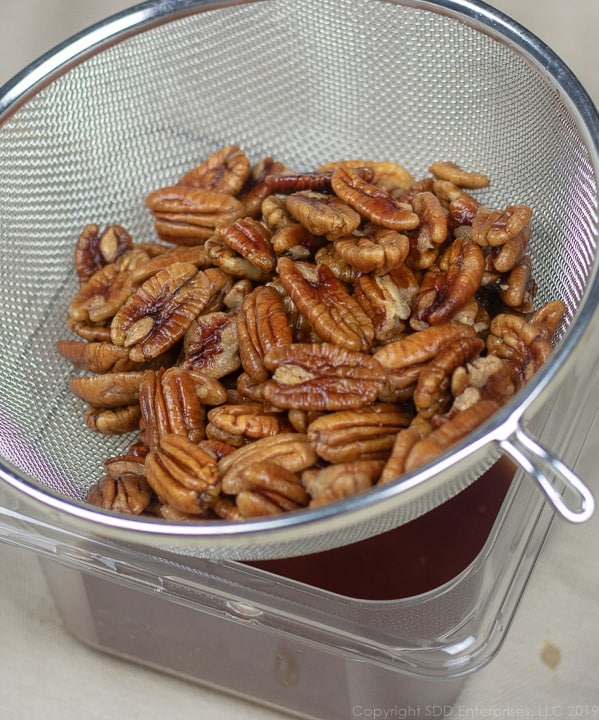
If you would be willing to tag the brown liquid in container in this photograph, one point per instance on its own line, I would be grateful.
(412, 558)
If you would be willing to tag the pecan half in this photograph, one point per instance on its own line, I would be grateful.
(170, 404)
(94, 251)
(113, 421)
(379, 250)
(256, 189)
(226, 170)
(334, 314)
(128, 493)
(273, 482)
(389, 176)
(262, 324)
(108, 390)
(251, 420)
(211, 345)
(96, 357)
(188, 215)
(339, 481)
(161, 310)
(323, 214)
(367, 433)
(183, 475)
(454, 173)
(373, 203)
(321, 376)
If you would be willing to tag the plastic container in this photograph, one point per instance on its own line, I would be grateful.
(208, 621)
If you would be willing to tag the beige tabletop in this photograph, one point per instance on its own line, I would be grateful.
(45, 674)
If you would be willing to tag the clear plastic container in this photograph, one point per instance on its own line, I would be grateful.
(209, 621)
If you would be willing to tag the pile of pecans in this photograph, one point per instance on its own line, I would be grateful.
(291, 338)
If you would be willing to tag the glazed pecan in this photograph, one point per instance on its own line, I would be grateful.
(193, 254)
(108, 390)
(483, 378)
(378, 251)
(334, 314)
(342, 480)
(454, 173)
(96, 357)
(211, 345)
(256, 189)
(548, 318)
(94, 251)
(226, 171)
(287, 183)
(188, 216)
(321, 376)
(341, 269)
(323, 214)
(127, 493)
(113, 421)
(449, 433)
(162, 309)
(447, 288)
(367, 433)
(262, 324)
(433, 389)
(249, 420)
(404, 442)
(388, 300)
(433, 226)
(272, 481)
(296, 242)
(170, 403)
(517, 290)
(102, 296)
(373, 203)
(388, 176)
(513, 338)
(293, 451)
(275, 213)
(250, 239)
(183, 475)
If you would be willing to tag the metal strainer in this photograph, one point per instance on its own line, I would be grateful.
(132, 103)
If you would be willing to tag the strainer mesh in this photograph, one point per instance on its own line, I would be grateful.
(304, 81)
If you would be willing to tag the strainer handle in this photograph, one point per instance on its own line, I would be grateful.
(542, 465)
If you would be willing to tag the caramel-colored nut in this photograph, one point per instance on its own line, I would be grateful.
(494, 228)
(250, 389)
(449, 433)
(250, 420)
(367, 433)
(388, 301)
(189, 216)
(323, 214)
(211, 345)
(275, 213)
(161, 310)
(293, 451)
(193, 254)
(225, 171)
(420, 347)
(128, 493)
(261, 325)
(230, 262)
(256, 190)
(286, 183)
(102, 296)
(462, 210)
(90, 331)
(94, 251)
(96, 357)
(341, 269)
(270, 477)
(251, 503)
(250, 239)
(447, 288)
(511, 252)
(455, 174)
(403, 444)
(517, 290)
(340, 481)
(373, 203)
(489, 378)
(513, 338)
(233, 299)
(183, 475)
(388, 176)
(334, 314)
(377, 251)
(108, 390)
(433, 226)
(170, 404)
(433, 389)
(296, 242)
(113, 421)
(548, 318)
(321, 376)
